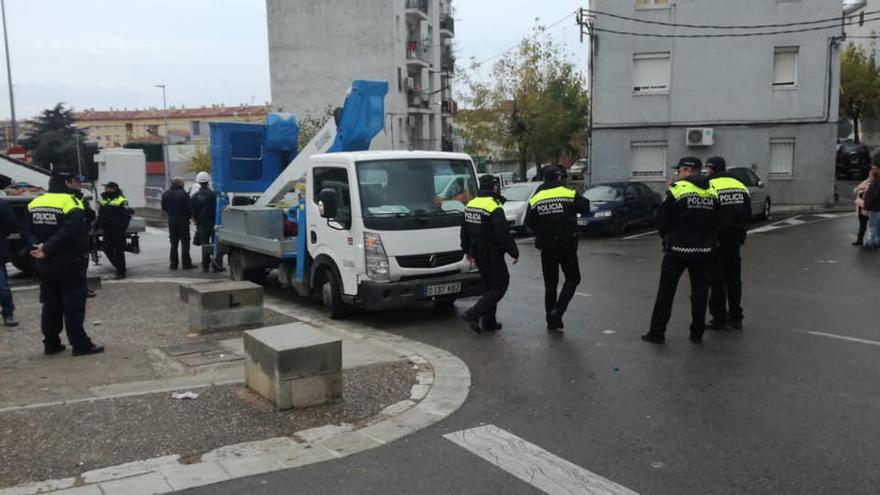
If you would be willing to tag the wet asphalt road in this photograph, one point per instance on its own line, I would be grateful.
(770, 409)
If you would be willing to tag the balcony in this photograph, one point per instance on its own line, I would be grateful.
(447, 60)
(417, 10)
(448, 107)
(417, 53)
(447, 26)
(418, 102)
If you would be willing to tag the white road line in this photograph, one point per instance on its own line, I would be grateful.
(639, 236)
(532, 464)
(841, 337)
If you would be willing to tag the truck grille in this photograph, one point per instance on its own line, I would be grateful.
(430, 260)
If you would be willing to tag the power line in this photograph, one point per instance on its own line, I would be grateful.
(551, 26)
(720, 35)
(728, 26)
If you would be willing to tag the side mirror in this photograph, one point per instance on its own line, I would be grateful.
(327, 203)
(760, 183)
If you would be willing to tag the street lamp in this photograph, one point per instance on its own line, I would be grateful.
(79, 167)
(9, 73)
(167, 158)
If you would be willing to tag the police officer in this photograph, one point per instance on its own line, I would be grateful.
(204, 211)
(114, 216)
(688, 223)
(58, 237)
(734, 213)
(552, 216)
(485, 239)
(177, 205)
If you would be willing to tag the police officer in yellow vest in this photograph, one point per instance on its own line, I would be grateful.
(114, 216)
(735, 211)
(58, 237)
(688, 223)
(485, 239)
(552, 216)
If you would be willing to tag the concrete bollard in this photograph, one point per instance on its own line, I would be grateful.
(223, 305)
(293, 365)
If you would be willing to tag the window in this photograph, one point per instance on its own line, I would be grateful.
(337, 180)
(153, 129)
(129, 128)
(399, 79)
(651, 3)
(651, 72)
(196, 128)
(781, 157)
(785, 67)
(648, 159)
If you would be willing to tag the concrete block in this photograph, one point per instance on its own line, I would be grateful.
(93, 282)
(223, 305)
(293, 365)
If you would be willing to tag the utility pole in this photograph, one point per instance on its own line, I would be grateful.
(79, 166)
(167, 158)
(585, 20)
(9, 74)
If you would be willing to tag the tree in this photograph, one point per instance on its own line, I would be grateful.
(859, 86)
(199, 160)
(52, 141)
(535, 105)
(311, 124)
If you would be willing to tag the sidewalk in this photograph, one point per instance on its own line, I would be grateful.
(108, 424)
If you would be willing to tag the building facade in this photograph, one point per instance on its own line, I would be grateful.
(768, 103)
(115, 128)
(318, 47)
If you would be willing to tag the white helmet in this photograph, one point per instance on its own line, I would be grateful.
(203, 178)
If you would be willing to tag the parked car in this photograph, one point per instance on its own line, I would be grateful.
(853, 161)
(517, 204)
(617, 206)
(578, 169)
(761, 202)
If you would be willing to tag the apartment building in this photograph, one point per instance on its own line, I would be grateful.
(317, 47)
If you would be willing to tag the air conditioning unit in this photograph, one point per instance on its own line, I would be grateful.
(700, 136)
(411, 84)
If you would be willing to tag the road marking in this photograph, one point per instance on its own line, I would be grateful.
(639, 236)
(841, 337)
(532, 464)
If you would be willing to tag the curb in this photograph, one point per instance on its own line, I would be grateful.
(440, 390)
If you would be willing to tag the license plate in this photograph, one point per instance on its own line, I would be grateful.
(582, 221)
(442, 290)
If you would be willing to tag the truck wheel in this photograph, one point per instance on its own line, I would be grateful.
(238, 272)
(331, 296)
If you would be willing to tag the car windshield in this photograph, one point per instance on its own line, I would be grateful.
(603, 193)
(517, 193)
(415, 187)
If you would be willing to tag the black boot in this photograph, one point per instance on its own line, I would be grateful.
(53, 349)
(92, 349)
(473, 323)
(654, 338)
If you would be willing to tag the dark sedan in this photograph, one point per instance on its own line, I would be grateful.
(853, 161)
(619, 205)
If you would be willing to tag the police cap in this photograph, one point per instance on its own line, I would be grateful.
(690, 162)
(717, 164)
(488, 182)
(552, 173)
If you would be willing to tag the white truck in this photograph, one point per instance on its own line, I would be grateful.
(372, 229)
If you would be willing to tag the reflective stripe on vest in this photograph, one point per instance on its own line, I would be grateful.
(117, 201)
(560, 192)
(59, 201)
(684, 188)
(484, 203)
(725, 183)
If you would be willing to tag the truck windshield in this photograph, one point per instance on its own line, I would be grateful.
(415, 187)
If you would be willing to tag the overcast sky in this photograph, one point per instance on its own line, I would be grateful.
(109, 53)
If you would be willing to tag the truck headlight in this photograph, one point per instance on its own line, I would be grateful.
(376, 259)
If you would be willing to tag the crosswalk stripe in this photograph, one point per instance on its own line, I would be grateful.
(532, 464)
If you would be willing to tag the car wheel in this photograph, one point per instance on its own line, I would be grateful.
(765, 212)
(619, 228)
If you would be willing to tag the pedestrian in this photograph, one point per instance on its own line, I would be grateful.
(204, 211)
(177, 205)
(552, 216)
(8, 224)
(114, 216)
(58, 237)
(861, 212)
(687, 223)
(872, 206)
(734, 214)
(485, 239)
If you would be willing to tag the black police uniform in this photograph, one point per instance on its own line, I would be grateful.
(176, 203)
(687, 222)
(204, 209)
(114, 216)
(734, 213)
(485, 238)
(552, 215)
(57, 221)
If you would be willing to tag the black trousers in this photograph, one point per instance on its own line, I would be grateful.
(178, 234)
(726, 284)
(114, 248)
(63, 294)
(205, 234)
(493, 270)
(670, 273)
(554, 258)
(863, 227)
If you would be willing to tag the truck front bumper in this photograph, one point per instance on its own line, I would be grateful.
(377, 296)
